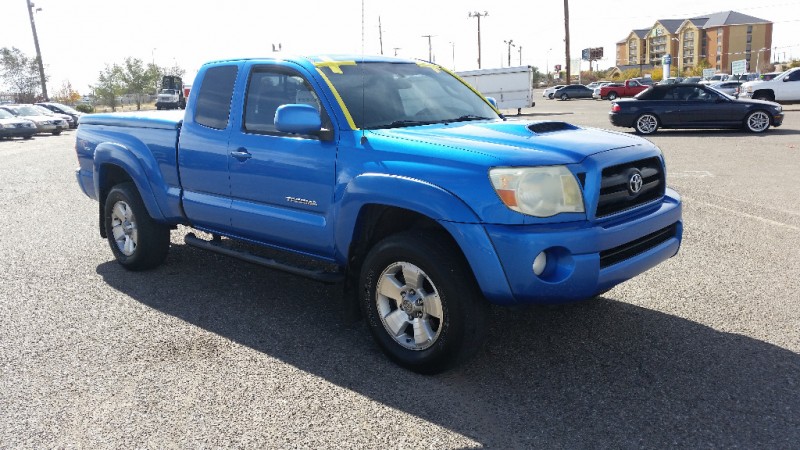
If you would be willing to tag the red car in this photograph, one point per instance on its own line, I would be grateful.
(627, 89)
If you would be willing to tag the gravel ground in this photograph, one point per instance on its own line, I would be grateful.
(206, 351)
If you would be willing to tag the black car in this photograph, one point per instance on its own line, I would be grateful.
(63, 109)
(693, 106)
(573, 91)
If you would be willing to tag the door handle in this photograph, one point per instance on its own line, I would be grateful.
(241, 154)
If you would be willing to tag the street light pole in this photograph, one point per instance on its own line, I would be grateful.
(478, 16)
(38, 52)
(510, 44)
(430, 47)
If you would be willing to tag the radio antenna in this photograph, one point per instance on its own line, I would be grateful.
(363, 77)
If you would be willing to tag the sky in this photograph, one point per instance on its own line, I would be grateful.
(78, 38)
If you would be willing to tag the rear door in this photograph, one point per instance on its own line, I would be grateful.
(203, 150)
(281, 184)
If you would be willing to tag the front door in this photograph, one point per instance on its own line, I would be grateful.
(281, 184)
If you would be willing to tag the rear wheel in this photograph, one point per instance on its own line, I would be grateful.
(612, 95)
(56, 133)
(757, 122)
(564, 97)
(137, 241)
(421, 302)
(646, 124)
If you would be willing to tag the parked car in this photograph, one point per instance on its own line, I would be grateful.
(727, 87)
(13, 126)
(671, 80)
(595, 84)
(785, 88)
(691, 80)
(693, 106)
(627, 89)
(596, 92)
(768, 76)
(549, 91)
(716, 78)
(573, 91)
(47, 112)
(44, 123)
(644, 80)
(63, 109)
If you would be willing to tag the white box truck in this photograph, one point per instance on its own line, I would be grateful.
(512, 87)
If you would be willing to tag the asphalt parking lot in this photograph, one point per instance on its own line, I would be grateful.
(205, 351)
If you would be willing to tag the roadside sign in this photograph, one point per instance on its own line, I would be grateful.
(708, 73)
(739, 67)
(666, 60)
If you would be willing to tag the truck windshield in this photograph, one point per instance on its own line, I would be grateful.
(168, 91)
(390, 95)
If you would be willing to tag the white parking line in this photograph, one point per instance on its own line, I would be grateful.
(743, 214)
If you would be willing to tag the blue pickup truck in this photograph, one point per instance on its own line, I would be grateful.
(397, 180)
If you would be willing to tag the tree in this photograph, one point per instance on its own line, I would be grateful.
(794, 63)
(66, 94)
(21, 74)
(175, 70)
(110, 85)
(697, 71)
(136, 79)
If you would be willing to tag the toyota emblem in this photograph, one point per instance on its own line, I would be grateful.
(635, 183)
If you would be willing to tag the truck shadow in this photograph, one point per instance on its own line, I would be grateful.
(601, 373)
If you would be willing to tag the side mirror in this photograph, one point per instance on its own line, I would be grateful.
(298, 119)
(493, 101)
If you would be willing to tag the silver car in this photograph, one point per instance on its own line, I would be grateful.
(13, 126)
(44, 124)
(727, 87)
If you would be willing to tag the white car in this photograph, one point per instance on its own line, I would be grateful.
(551, 90)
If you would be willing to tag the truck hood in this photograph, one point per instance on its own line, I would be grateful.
(514, 142)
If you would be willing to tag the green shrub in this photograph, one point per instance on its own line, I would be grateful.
(85, 108)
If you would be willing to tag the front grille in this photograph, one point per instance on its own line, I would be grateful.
(629, 250)
(615, 193)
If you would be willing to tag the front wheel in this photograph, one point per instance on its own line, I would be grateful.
(137, 241)
(421, 302)
(646, 124)
(757, 122)
(564, 97)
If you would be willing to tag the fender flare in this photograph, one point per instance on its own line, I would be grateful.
(123, 157)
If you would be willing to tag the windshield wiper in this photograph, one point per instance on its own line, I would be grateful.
(466, 118)
(403, 123)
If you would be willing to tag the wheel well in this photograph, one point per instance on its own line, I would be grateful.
(767, 92)
(110, 176)
(375, 223)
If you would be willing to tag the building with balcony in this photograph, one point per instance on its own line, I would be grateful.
(718, 39)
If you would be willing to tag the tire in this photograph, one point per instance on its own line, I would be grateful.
(56, 133)
(27, 136)
(442, 306)
(646, 124)
(612, 96)
(564, 97)
(757, 121)
(550, 96)
(137, 241)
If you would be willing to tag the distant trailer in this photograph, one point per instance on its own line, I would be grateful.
(512, 87)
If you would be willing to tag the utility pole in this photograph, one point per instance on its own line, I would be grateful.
(566, 39)
(510, 44)
(380, 33)
(430, 47)
(395, 50)
(38, 52)
(478, 16)
(453, 45)
(520, 55)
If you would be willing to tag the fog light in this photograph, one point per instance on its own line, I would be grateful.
(539, 263)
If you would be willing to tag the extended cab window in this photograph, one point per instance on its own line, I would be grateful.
(214, 99)
(270, 88)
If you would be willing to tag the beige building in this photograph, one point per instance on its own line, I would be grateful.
(718, 38)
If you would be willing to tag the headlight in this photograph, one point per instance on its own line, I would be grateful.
(538, 191)
(749, 89)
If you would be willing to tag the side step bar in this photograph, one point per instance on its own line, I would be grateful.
(317, 275)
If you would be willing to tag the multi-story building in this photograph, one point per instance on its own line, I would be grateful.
(718, 39)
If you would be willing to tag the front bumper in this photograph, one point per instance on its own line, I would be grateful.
(584, 260)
